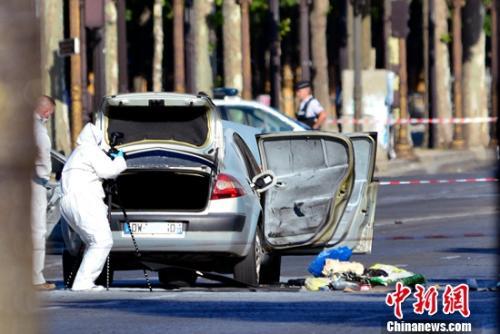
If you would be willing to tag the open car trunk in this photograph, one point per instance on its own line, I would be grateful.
(163, 190)
(186, 124)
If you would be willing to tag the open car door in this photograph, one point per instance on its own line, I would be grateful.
(355, 229)
(315, 178)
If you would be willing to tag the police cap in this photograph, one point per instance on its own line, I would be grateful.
(302, 84)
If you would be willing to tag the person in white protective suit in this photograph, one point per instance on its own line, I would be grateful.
(43, 168)
(82, 203)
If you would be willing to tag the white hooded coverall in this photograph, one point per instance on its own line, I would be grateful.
(82, 204)
(43, 168)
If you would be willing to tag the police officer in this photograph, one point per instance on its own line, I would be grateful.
(310, 110)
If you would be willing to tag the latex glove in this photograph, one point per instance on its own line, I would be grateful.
(117, 154)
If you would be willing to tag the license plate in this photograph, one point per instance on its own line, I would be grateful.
(155, 230)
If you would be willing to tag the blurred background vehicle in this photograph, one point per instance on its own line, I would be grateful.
(232, 108)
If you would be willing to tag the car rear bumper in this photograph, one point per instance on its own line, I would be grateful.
(204, 233)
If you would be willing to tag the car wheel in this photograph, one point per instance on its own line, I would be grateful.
(270, 269)
(71, 264)
(248, 269)
(173, 278)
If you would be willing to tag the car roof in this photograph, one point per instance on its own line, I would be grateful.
(236, 101)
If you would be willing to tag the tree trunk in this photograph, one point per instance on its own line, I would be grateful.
(76, 72)
(53, 76)
(288, 92)
(275, 60)
(179, 65)
(158, 45)
(246, 50)
(19, 89)
(232, 44)
(305, 61)
(201, 52)
(441, 76)
(474, 72)
(387, 33)
(366, 41)
(122, 45)
(350, 36)
(319, 57)
(111, 47)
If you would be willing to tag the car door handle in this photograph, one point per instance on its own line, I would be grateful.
(280, 184)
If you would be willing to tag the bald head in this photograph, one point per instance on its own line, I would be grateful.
(45, 106)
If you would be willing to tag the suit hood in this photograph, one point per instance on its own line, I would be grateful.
(90, 135)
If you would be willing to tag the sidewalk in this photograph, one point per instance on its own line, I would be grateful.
(432, 161)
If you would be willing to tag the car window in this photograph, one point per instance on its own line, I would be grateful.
(257, 118)
(250, 163)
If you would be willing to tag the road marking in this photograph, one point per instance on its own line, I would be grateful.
(452, 257)
(437, 181)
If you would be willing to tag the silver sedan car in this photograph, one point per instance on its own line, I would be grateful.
(204, 194)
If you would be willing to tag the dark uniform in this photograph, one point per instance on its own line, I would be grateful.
(309, 108)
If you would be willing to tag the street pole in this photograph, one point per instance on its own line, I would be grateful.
(403, 148)
(358, 93)
(179, 65)
(275, 54)
(494, 70)
(458, 135)
(305, 62)
(76, 73)
(245, 49)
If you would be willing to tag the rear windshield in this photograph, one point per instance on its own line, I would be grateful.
(136, 123)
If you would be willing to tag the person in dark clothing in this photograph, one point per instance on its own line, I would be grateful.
(310, 110)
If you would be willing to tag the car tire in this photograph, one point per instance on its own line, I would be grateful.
(71, 263)
(248, 269)
(173, 278)
(270, 269)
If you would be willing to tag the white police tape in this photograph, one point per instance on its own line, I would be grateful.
(413, 121)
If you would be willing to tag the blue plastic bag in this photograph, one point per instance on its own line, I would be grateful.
(341, 254)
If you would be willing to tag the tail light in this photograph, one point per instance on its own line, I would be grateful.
(226, 186)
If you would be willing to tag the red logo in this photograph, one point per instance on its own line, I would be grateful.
(397, 298)
(426, 300)
(456, 299)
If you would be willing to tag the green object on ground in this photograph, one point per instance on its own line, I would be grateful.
(412, 280)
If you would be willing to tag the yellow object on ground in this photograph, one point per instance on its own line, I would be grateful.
(316, 283)
(339, 267)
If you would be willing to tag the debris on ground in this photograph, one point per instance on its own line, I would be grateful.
(332, 270)
(296, 282)
(316, 266)
(384, 274)
(472, 283)
(317, 283)
(339, 267)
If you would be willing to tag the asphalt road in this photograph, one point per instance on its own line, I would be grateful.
(448, 233)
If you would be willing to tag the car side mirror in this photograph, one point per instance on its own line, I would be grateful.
(263, 181)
